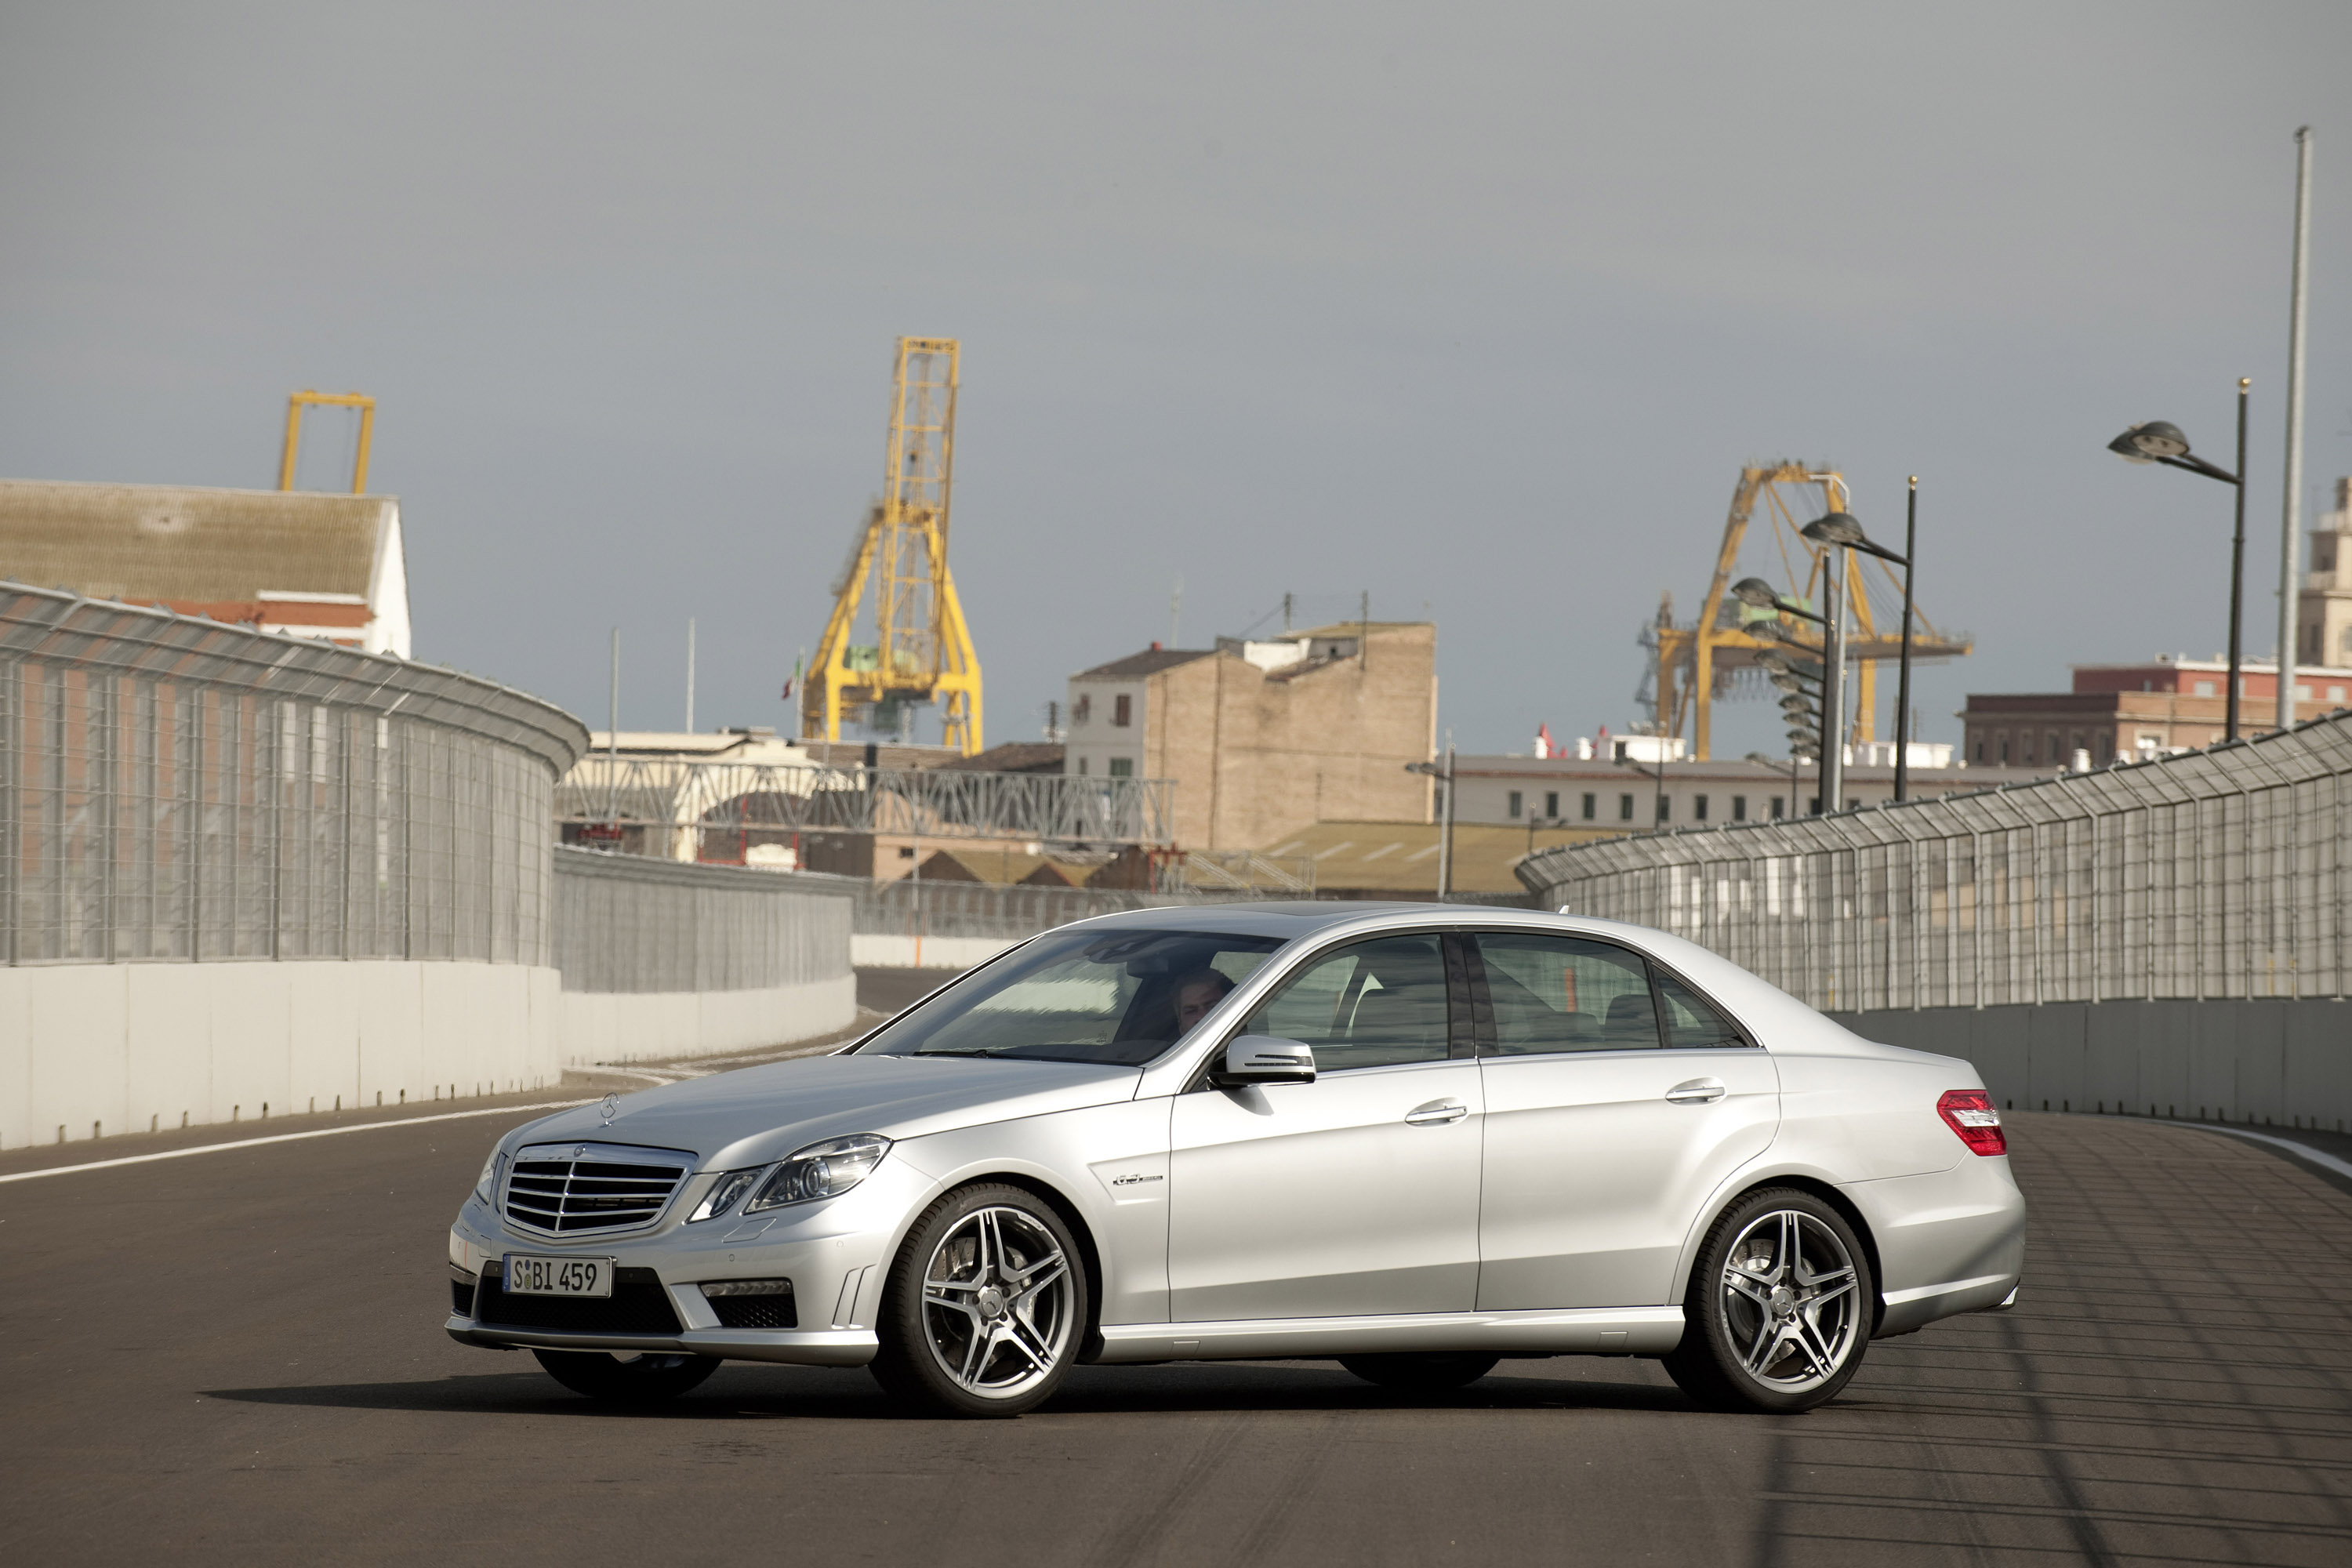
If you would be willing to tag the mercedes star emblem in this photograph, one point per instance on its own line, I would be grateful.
(611, 1107)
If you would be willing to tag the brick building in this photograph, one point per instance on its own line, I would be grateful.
(2171, 703)
(1266, 738)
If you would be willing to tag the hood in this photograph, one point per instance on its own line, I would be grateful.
(753, 1115)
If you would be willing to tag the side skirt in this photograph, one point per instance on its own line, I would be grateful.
(1610, 1330)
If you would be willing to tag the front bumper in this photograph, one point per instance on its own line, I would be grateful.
(797, 1347)
(832, 1252)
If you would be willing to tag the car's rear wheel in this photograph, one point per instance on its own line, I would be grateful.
(984, 1306)
(633, 1380)
(1426, 1373)
(1779, 1307)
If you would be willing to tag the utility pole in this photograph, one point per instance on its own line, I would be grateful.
(689, 674)
(1175, 611)
(2291, 512)
(1832, 765)
(612, 739)
(1445, 830)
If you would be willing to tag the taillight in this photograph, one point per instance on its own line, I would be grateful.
(1969, 1113)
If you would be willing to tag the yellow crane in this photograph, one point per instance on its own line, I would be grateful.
(1698, 662)
(922, 650)
(297, 402)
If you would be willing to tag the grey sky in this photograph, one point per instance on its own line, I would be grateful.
(1475, 306)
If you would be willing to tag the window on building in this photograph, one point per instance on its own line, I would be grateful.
(2301, 692)
(1625, 808)
(1551, 804)
(1591, 806)
(1665, 805)
(1122, 708)
(1123, 767)
(2335, 694)
(1739, 809)
(1813, 805)
(1513, 809)
(1777, 805)
(1083, 709)
(2052, 737)
(1082, 765)
(2207, 688)
(1979, 744)
(1698, 809)
(2003, 739)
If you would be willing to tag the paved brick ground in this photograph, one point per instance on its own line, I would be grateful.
(238, 1357)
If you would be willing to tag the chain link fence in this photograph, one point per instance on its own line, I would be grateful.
(2215, 874)
(181, 789)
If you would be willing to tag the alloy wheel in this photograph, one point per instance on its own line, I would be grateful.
(999, 1303)
(1792, 1300)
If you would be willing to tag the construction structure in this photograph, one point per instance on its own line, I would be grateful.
(1715, 656)
(306, 398)
(922, 651)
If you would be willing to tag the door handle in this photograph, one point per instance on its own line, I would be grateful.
(1697, 1092)
(1436, 1113)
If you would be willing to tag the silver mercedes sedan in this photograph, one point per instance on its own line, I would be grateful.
(1417, 1139)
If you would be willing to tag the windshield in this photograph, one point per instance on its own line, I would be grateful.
(1120, 996)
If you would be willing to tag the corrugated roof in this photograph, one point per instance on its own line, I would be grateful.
(149, 542)
(1013, 757)
(1151, 661)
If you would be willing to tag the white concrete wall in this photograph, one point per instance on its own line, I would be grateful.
(100, 1048)
(624, 1026)
(894, 952)
(2286, 1064)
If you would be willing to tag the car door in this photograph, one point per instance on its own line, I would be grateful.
(1352, 1195)
(1617, 1100)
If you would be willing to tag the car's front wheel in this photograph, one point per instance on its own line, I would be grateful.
(1779, 1307)
(984, 1306)
(637, 1380)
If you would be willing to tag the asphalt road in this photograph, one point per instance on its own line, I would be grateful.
(239, 1356)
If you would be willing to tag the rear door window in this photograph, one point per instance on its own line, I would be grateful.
(1566, 994)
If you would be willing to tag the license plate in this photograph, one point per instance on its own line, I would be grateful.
(558, 1276)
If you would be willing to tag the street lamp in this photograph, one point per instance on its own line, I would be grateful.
(1444, 773)
(1843, 531)
(1764, 597)
(2160, 441)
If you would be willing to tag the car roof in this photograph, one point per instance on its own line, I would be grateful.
(1293, 919)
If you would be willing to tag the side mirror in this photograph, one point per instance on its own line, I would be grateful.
(1266, 1059)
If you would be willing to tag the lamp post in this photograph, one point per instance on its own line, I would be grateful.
(1902, 682)
(1658, 803)
(1844, 530)
(1801, 680)
(1444, 773)
(2159, 441)
(1763, 595)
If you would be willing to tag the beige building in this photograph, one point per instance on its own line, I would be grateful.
(2324, 615)
(1266, 738)
(297, 562)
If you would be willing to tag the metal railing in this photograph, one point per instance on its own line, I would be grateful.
(2221, 873)
(906, 908)
(736, 803)
(181, 789)
(631, 923)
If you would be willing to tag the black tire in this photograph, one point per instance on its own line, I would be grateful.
(1004, 1313)
(641, 1379)
(1759, 1335)
(1431, 1372)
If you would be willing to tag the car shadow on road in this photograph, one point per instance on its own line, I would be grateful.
(742, 1392)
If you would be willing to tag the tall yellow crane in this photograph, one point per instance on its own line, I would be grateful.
(306, 398)
(922, 650)
(1697, 662)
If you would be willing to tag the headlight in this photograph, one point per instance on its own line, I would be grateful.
(486, 1185)
(722, 1195)
(824, 1169)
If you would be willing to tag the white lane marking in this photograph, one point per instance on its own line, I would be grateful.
(2323, 1161)
(289, 1138)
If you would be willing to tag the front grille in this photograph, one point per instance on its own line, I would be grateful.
(581, 1189)
(753, 1304)
(639, 1305)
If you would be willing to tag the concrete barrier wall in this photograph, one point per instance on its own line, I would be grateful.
(624, 1027)
(2286, 1064)
(100, 1048)
(873, 951)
